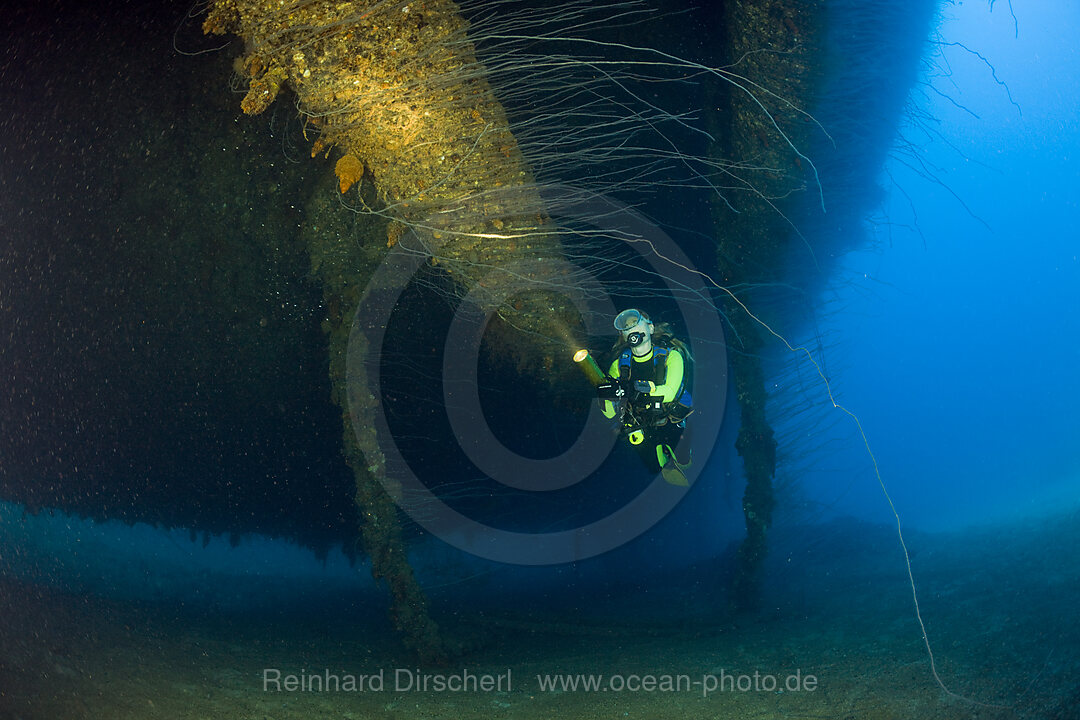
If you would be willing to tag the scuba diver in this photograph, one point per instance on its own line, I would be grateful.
(646, 389)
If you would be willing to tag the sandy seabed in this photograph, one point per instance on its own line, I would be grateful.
(836, 638)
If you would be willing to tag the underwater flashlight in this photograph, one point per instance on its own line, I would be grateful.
(588, 366)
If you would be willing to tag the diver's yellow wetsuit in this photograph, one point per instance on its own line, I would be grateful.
(658, 432)
(644, 368)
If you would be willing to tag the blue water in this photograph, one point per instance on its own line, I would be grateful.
(957, 331)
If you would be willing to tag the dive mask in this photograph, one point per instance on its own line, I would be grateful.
(627, 320)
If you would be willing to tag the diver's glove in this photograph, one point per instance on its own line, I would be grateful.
(645, 387)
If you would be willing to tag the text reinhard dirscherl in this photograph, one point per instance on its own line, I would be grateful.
(465, 680)
(398, 680)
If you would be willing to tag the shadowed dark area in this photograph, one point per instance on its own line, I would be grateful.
(162, 355)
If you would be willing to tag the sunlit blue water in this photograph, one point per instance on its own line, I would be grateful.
(957, 337)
